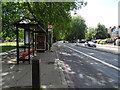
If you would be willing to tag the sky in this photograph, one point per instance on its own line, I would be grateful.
(100, 11)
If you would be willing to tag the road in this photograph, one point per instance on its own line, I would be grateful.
(87, 68)
(108, 48)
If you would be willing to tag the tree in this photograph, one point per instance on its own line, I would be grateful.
(77, 28)
(101, 32)
(90, 33)
(43, 13)
(13, 12)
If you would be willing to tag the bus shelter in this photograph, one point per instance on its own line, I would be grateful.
(34, 39)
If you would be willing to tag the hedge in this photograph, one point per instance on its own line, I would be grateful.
(118, 42)
(102, 41)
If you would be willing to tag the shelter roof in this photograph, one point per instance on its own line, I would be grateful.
(31, 27)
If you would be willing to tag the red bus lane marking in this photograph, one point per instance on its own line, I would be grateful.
(71, 82)
(69, 78)
(75, 80)
(68, 70)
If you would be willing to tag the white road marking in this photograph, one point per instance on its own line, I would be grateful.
(12, 66)
(96, 59)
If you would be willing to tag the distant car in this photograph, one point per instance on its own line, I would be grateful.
(63, 41)
(82, 41)
(90, 44)
(110, 41)
(94, 41)
(66, 42)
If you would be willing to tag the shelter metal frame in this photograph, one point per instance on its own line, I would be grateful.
(32, 29)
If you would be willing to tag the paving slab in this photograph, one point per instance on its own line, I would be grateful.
(14, 75)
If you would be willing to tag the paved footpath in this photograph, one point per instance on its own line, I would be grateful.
(21, 75)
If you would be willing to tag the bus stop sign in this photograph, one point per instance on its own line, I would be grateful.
(49, 26)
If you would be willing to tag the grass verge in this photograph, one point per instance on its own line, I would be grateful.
(10, 43)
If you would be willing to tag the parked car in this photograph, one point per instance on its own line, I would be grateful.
(63, 41)
(110, 41)
(90, 44)
(82, 41)
(94, 41)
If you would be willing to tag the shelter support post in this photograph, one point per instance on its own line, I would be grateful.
(17, 43)
(24, 40)
(33, 42)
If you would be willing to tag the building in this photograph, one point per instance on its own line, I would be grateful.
(113, 31)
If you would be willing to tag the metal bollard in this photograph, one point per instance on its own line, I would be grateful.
(35, 75)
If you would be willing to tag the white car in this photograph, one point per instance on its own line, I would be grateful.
(90, 44)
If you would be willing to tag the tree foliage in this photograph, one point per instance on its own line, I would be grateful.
(90, 33)
(12, 13)
(77, 29)
(101, 32)
(43, 13)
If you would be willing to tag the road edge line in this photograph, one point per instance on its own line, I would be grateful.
(96, 59)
